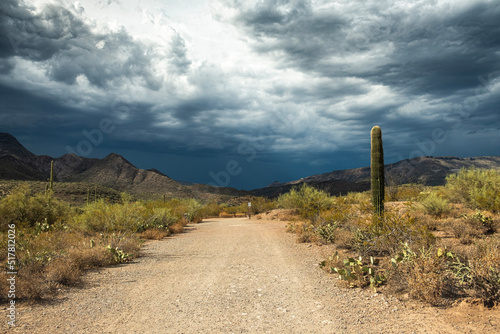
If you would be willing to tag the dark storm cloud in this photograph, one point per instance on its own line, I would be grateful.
(179, 57)
(419, 49)
(432, 58)
(69, 48)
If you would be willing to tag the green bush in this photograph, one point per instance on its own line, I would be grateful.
(434, 204)
(384, 235)
(210, 209)
(477, 188)
(130, 217)
(308, 201)
(25, 209)
(260, 204)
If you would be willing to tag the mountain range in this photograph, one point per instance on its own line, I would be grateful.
(114, 171)
(430, 171)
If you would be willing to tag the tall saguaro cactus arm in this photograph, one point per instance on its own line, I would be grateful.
(377, 170)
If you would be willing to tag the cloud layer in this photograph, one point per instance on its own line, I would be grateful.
(286, 88)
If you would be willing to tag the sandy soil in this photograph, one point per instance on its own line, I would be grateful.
(235, 276)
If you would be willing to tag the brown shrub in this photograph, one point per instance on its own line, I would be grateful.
(62, 271)
(344, 238)
(29, 282)
(176, 228)
(226, 215)
(305, 232)
(484, 265)
(471, 226)
(87, 258)
(155, 234)
(427, 278)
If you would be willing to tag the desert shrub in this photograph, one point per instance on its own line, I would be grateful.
(156, 218)
(484, 266)
(130, 217)
(25, 209)
(384, 235)
(180, 208)
(210, 209)
(308, 201)
(356, 197)
(260, 204)
(469, 227)
(486, 224)
(405, 192)
(463, 231)
(477, 188)
(305, 231)
(423, 273)
(155, 234)
(434, 204)
(356, 201)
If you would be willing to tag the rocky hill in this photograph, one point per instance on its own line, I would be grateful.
(114, 171)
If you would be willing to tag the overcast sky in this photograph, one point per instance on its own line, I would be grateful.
(243, 93)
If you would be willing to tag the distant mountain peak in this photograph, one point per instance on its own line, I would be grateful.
(116, 158)
(9, 145)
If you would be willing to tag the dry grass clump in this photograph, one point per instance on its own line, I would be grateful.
(484, 264)
(226, 215)
(176, 228)
(426, 281)
(405, 192)
(155, 234)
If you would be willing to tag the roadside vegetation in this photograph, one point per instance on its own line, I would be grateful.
(434, 244)
(55, 241)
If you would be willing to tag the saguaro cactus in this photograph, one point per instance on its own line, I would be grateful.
(377, 170)
(51, 180)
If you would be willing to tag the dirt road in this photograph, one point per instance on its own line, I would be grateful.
(225, 276)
